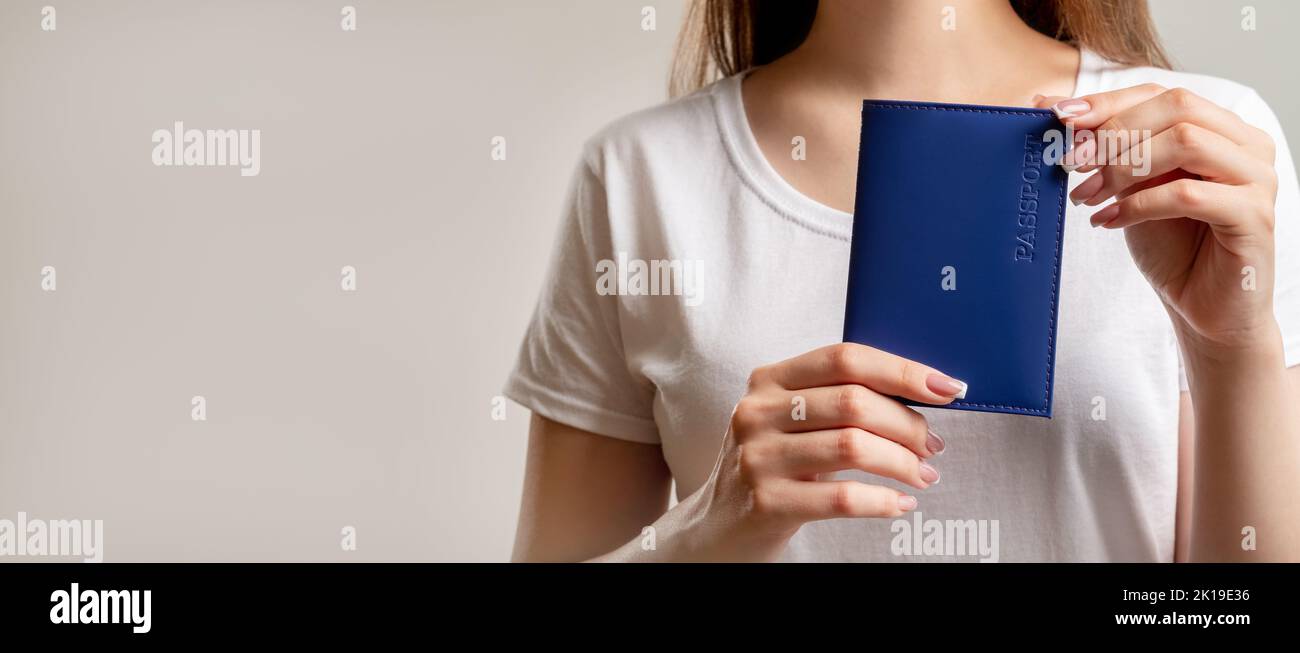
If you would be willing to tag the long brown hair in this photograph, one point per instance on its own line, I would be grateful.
(724, 37)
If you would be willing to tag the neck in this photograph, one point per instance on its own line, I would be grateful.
(930, 49)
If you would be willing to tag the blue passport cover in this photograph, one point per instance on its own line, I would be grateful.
(956, 253)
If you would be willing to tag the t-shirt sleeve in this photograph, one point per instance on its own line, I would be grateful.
(1286, 235)
(572, 366)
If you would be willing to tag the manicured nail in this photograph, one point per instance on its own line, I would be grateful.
(934, 443)
(1080, 156)
(906, 503)
(1105, 215)
(929, 474)
(1071, 108)
(946, 386)
(1084, 191)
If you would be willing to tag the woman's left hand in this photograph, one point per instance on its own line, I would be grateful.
(1195, 189)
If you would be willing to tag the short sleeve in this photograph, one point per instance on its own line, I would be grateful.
(1286, 292)
(572, 367)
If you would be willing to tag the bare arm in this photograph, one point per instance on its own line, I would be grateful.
(1199, 217)
(1186, 479)
(1247, 457)
(589, 497)
(1219, 536)
(586, 494)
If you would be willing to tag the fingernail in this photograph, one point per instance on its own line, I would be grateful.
(1105, 215)
(1080, 156)
(1084, 191)
(929, 474)
(906, 503)
(1038, 97)
(1071, 108)
(934, 443)
(946, 386)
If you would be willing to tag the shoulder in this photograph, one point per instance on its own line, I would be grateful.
(675, 131)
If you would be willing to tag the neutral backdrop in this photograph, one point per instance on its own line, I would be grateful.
(325, 408)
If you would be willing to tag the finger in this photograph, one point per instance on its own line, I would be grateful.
(805, 501)
(1090, 111)
(1076, 156)
(1046, 101)
(816, 409)
(1187, 147)
(1150, 109)
(1154, 181)
(804, 455)
(1179, 105)
(1085, 113)
(1219, 205)
(851, 363)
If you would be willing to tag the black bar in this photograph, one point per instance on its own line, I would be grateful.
(209, 602)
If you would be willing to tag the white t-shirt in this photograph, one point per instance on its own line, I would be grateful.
(685, 182)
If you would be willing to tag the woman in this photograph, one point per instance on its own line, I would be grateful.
(1176, 433)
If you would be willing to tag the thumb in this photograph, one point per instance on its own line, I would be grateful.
(1076, 157)
(1046, 101)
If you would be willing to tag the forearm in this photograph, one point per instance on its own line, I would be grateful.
(1247, 451)
(668, 539)
(687, 534)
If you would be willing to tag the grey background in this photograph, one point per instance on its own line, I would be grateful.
(325, 408)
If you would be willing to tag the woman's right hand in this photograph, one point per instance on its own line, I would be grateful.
(771, 475)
